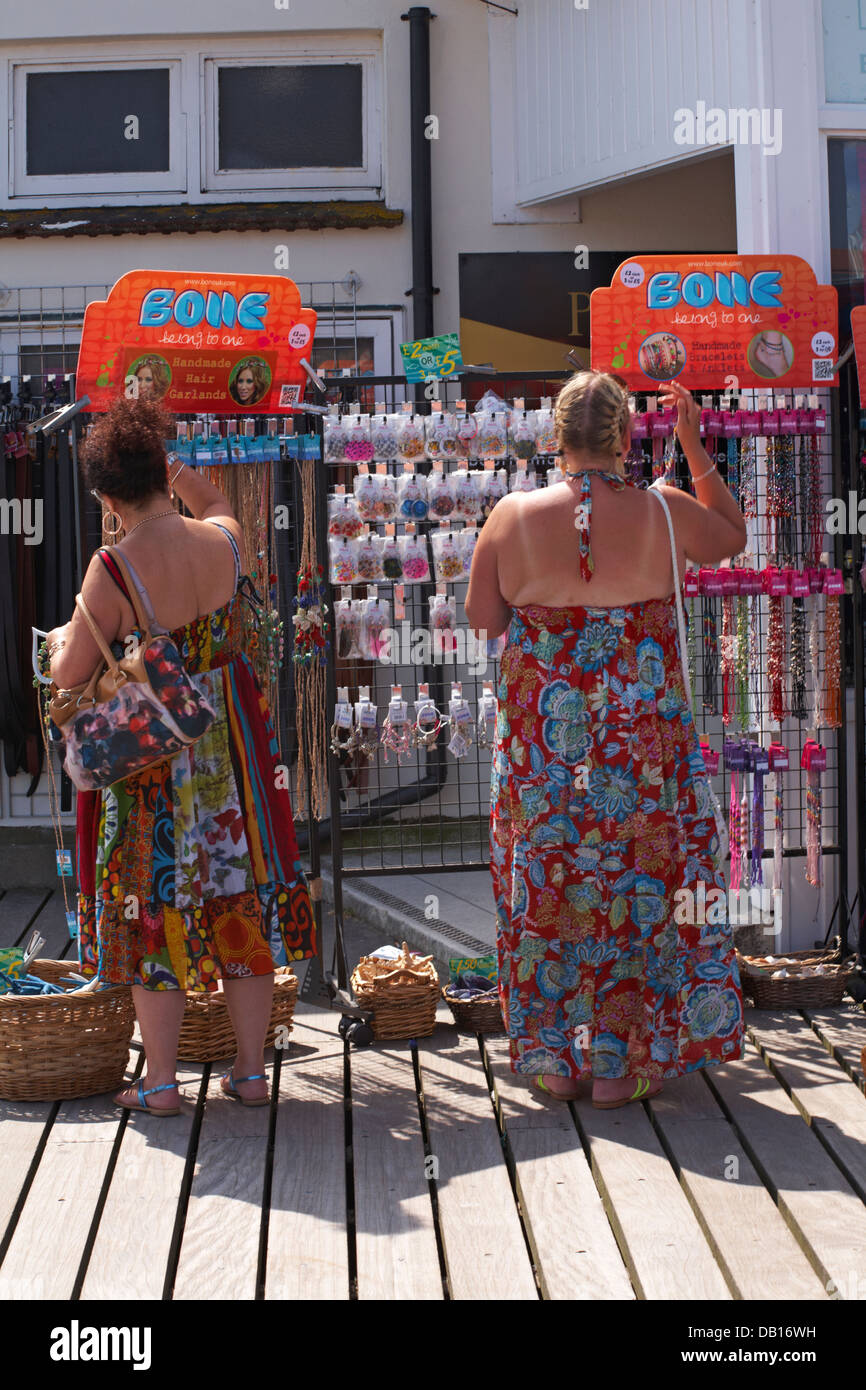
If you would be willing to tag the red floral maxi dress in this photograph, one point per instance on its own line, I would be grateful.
(600, 813)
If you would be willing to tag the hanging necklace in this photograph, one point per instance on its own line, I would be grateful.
(171, 512)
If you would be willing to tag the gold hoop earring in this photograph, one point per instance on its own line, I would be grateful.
(117, 530)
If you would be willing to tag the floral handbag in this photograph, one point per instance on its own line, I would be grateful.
(134, 711)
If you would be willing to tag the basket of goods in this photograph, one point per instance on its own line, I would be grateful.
(799, 980)
(474, 1002)
(61, 1036)
(206, 1033)
(400, 992)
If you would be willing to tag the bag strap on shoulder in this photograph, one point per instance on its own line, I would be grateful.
(681, 617)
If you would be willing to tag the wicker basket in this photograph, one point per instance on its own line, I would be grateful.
(481, 1015)
(402, 995)
(802, 989)
(63, 1046)
(207, 1035)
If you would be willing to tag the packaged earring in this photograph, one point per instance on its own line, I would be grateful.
(343, 727)
(524, 480)
(343, 516)
(385, 505)
(359, 448)
(348, 623)
(443, 624)
(460, 722)
(440, 494)
(412, 496)
(428, 720)
(521, 435)
(494, 486)
(367, 491)
(492, 434)
(392, 564)
(413, 553)
(467, 495)
(343, 557)
(410, 438)
(383, 436)
(545, 437)
(466, 541)
(375, 618)
(397, 727)
(447, 560)
(467, 436)
(440, 435)
(367, 733)
(368, 560)
(336, 439)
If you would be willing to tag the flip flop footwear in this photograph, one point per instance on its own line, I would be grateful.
(641, 1092)
(142, 1103)
(239, 1081)
(539, 1081)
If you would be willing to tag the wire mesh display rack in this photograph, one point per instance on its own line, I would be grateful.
(431, 813)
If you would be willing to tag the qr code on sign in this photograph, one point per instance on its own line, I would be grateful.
(289, 395)
(822, 369)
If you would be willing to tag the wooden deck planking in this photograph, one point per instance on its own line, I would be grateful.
(485, 1250)
(22, 1126)
(659, 1235)
(51, 922)
(575, 1251)
(219, 1249)
(51, 1235)
(820, 1089)
(19, 908)
(395, 1236)
(824, 1213)
(130, 1255)
(308, 1252)
(745, 1230)
(844, 1031)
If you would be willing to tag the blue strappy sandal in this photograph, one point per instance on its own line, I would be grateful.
(235, 1094)
(142, 1103)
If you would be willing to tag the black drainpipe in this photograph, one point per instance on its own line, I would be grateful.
(422, 290)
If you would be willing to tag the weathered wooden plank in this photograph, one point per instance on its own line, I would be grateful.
(308, 1251)
(18, 909)
(51, 922)
(825, 1215)
(395, 1236)
(843, 1030)
(49, 1240)
(220, 1244)
(485, 1250)
(666, 1251)
(822, 1092)
(22, 1126)
(575, 1252)
(746, 1232)
(130, 1255)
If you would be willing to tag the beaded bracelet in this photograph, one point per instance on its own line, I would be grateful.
(426, 737)
(342, 745)
(397, 737)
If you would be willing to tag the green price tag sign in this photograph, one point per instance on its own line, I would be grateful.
(431, 357)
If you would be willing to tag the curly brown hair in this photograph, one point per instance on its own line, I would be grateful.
(124, 454)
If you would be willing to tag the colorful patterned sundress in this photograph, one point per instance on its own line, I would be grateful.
(189, 871)
(614, 961)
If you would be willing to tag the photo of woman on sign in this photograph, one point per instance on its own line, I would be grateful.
(152, 373)
(250, 381)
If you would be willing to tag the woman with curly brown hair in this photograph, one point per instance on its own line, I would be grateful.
(601, 820)
(188, 872)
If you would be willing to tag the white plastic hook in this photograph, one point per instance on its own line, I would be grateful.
(34, 657)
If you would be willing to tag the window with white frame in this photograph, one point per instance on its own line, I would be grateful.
(307, 122)
(97, 127)
(207, 119)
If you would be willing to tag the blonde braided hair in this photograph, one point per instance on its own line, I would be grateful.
(590, 415)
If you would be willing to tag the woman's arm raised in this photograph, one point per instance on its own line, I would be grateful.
(709, 526)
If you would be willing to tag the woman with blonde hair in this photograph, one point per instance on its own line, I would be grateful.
(601, 826)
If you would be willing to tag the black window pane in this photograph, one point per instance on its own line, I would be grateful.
(79, 122)
(291, 117)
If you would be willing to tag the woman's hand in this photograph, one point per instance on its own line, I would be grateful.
(688, 413)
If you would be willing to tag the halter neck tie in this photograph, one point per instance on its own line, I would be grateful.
(583, 512)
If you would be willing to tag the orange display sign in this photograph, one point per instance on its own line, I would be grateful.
(202, 343)
(720, 322)
(858, 333)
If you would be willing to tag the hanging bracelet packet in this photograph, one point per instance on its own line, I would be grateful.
(359, 446)
(441, 435)
(336, 439)
(467, 495)
(410, 439)
(412, 496)
(383, 437)
(441, 500)
(344, 518)
(343, 559)
(375, 620)
(348, 622)
(413, 554)
(397, 729)
(447, 560)
(443, 623)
